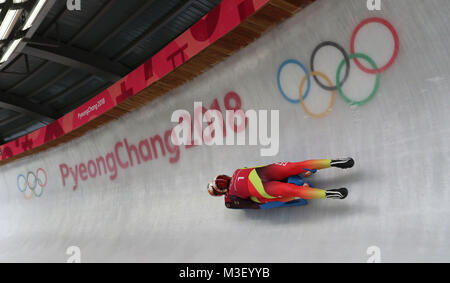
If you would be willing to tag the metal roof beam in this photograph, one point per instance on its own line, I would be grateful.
(17, 132)
(155, 28)
(91, 23)
(11, 119)
(38, 112)
(75, 58)
(122, 25)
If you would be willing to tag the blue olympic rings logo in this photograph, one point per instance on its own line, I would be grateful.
(32, 184)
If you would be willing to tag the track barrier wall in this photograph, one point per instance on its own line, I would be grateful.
(125, 192)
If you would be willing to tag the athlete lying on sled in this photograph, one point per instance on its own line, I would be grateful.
(276, 185)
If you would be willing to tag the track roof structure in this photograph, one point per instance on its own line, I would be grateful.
(73, 57)
(75, 54)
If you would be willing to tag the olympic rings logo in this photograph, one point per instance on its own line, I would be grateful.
(375, 70)
(32, 182)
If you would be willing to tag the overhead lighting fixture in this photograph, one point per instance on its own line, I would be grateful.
(37, 8)
(10, 50)
(8, 23)
(10, 20)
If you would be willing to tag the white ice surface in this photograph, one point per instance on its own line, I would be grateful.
(160, 212)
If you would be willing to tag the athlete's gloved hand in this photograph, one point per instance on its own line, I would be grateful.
(308, 172)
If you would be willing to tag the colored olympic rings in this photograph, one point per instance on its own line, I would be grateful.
(377, 80)
(396, 46)
(296, 62)
(346, 59)
(32, 181)
(333, 96)
(340, 81)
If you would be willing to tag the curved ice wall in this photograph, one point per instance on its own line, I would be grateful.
(158, 210)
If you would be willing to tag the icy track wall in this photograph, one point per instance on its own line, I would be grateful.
(159, 210)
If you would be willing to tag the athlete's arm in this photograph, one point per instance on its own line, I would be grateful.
(309, 173)
(239, 203)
